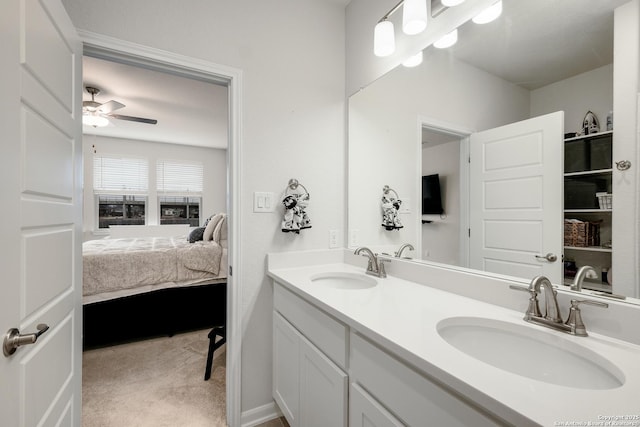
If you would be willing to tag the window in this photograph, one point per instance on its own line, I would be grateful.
(120, 186)
(179, 191)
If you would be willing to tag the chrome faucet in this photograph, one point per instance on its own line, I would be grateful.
(409, 246)
(375, 267)
(551, 319)
(586, 271)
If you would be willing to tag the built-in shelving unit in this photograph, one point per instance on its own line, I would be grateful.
(588, 170)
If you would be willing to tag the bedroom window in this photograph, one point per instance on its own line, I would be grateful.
(179, 191)
(120, 186)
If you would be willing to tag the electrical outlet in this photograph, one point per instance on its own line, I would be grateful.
(333, 239)
(353, 238)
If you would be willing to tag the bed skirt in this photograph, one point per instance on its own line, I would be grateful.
(164, 312)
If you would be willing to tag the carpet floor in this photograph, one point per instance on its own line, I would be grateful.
(154, 383)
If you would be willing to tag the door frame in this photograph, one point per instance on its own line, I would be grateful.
(110, 48)
(463, 134)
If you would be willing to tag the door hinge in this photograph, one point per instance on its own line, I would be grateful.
(230, 271)
(469, 231)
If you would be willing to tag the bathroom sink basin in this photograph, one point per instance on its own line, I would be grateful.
(344, 280)
(531, 353)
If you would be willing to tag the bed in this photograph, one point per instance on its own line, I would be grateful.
(140, 287)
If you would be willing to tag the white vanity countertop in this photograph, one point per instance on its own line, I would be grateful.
(401, 316)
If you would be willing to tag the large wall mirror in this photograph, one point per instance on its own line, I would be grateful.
(550, 61)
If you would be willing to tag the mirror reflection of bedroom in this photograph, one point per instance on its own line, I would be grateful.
(155, 259)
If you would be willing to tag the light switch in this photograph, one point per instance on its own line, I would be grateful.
(263, 201)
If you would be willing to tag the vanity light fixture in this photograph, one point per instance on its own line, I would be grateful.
(414, 16)
(447, 40)
(489, 14)
(451, 3)
(414, 21)
(94, 119)
(384, 40)
(414, 60)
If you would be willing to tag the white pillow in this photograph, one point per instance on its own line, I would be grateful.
(208, 231)
(220, 232)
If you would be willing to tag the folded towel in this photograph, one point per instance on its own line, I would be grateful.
(295, 217)
(390, 208)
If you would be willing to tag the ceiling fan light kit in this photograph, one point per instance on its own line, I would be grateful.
(97, 114)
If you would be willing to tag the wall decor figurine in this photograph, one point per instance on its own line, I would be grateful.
(590, 124)
(390, 207)
(295, 203)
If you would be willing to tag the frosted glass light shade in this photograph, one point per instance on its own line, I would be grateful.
(414, 16)
(489, 14)
(447, 40)
(94, 120)
(413, 61)
(451, 3)
(384, 41)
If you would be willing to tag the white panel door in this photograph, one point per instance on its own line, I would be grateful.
(516, 198)
(41, 193)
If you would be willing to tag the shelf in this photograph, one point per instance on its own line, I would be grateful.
(591, 135)
(589, 285)
(590, 211)
(590, 249)
(587, 173)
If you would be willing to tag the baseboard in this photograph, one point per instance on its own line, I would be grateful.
(259, 415)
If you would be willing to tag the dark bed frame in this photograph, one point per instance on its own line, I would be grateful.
(164, 312)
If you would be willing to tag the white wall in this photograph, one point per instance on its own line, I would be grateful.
(385, 135)
(215, 173)
(590, 91)
(291, 53)
(441, 238)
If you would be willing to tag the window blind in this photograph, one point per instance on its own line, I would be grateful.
(113, 174)
(179, 177)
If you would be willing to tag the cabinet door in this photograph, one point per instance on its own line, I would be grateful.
(365, 411)
(286, 343)
(323, 389)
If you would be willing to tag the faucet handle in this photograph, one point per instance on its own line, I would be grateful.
(575, 316)
(381, 271)
(534, 309)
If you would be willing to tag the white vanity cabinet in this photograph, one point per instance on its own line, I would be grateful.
(412, 397)
(308, 386)
(365, 411)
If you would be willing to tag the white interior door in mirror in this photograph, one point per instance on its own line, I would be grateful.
(515, 176)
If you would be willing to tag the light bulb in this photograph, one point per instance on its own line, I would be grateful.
(414, 16)
(489, 14)
(384, 42)
(451, 3)
(413, 61)
(95, 120)
(447, 40)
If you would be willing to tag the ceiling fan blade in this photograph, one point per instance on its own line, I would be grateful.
(110, 106)
(133, 119)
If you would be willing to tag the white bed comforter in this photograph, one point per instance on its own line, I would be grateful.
(118, 264)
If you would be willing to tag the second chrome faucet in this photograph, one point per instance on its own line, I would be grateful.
(551, 318)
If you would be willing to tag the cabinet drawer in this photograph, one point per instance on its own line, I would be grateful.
(406, 393)
(322, 330)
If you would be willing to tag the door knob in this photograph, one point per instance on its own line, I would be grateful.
(13, 339)
(548, 257)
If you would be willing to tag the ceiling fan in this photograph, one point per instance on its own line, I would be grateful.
(97, 115)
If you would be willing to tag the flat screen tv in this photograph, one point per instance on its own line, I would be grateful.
(431, 199)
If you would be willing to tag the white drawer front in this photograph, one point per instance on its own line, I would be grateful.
(322, 330)
(408, 394)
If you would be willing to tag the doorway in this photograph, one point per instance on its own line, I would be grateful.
(141, 56)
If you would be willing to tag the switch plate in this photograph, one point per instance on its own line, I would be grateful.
(353, 238)
(263, 201)
(333, 239)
